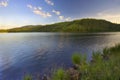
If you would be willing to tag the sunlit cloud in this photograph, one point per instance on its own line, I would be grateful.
(109, 15)
(68, 19)
(3, 3)
(39, 11)
(61, 17)
(65, 19)
(49, 2)
(56, 12)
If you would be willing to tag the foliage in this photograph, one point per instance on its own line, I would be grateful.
(83, 25)
(78, 59)
(28, 77)
(60, 74)
(103, 66)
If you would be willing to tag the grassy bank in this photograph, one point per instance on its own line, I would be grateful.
(103, 66)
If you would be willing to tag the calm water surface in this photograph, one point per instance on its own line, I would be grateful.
(39, 53)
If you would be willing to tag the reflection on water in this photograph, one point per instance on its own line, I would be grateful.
(38, 53)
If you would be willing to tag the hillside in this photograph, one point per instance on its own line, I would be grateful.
(83, 25)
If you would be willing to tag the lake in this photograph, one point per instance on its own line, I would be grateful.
(40, 53)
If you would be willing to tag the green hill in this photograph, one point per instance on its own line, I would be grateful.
(83, 25)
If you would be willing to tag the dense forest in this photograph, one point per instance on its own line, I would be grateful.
(82, 25)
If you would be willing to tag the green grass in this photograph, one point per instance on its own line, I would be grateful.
(60, 74)
(28, 77)
(76, 59)
(103, 66)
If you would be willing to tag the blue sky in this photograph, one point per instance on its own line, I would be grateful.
(15, 13)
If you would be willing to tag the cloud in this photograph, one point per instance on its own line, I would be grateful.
(4, 3)
(56, 12)
(61, 17)
(39, 11)
(64, 19)
(68, 19)
(49, 2)
(43, 14)
(29, 6)
(109, 15)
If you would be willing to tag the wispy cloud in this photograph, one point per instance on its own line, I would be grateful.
(56, 12)
(39, 11)
(61, 17)
(3, 3)
(29, 6)
(64, 19)
(49, 2)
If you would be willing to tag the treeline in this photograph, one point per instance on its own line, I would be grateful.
(82, 25)
(3, 30)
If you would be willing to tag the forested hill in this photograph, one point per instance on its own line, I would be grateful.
(83, 25)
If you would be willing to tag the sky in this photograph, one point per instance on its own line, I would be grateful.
(16, 13)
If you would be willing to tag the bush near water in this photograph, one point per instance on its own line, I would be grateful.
(103, 66)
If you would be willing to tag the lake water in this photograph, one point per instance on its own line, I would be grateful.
(39, 53)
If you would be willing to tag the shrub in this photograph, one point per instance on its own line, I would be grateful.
(76, 59)
(60, 74)
(28, 77)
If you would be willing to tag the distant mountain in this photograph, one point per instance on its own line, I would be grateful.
(83, 25)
